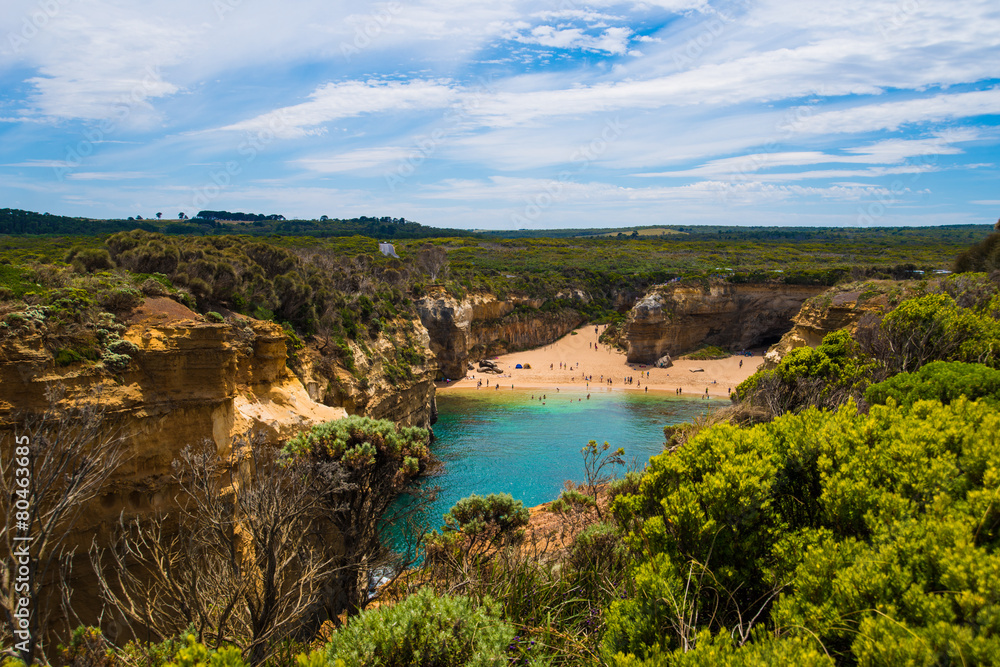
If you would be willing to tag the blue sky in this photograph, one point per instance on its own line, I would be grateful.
(506, 114)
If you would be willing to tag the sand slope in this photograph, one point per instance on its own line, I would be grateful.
(580, 358)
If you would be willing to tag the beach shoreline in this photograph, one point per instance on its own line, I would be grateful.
(568, 362)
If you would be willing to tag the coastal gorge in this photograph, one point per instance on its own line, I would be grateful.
(344, 358)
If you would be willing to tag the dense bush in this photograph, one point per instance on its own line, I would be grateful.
(359, 441)
(858, 536)
(934, 328)
(824, 376)
(984, 256)
(475, 514)
(424, 630)
(938, 381)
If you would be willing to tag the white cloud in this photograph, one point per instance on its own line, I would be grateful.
(352, 161)
(48, 164)
(108, 175)
(335, 101)
(894, 115)
(887, 152)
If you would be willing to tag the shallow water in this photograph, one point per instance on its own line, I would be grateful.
(496, 441)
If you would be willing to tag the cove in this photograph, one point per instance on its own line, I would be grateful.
(503, 441)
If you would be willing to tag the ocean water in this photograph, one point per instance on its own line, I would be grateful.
(496, 441)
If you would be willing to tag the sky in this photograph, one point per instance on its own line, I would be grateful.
(506, 114)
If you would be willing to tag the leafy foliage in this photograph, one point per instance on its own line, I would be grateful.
(938, 381)
(475, 514)
(424, 630)
(196, 654)
(872, 535)
(933, 327)
(984, 256)
(359, 441)
(824, 376)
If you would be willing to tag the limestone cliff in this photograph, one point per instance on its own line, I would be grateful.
(390, 378)
(840, 307)
(481, 325)
(678, 317)
(189, 381)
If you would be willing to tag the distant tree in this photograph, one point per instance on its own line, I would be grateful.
(323, 218)
(181, 216)
(996, 225)
(138, 217)
(159, 215)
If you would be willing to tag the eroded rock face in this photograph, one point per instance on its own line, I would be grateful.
(675, 319)
(481, 325)
(840, 307)
(371, 389)
(190, 381)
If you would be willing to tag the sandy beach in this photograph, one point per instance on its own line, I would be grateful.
(578, 361)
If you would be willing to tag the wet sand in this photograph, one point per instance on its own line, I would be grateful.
(581, 360)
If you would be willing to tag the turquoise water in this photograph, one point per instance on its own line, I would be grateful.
(496, 441)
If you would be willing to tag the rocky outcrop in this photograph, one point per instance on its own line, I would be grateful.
(840, 307)
(188, 381)
(677, 318)
(391, 378)
(481, 325)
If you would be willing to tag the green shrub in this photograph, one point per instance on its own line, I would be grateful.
(196, 654)
(984, 256)
(825, 376)
(359, 440)
(476, 514)
(89, 260)
(935, 328)
(88, 648)
(876, 535)
(120, 299)
(572, 499)
(941, 381)
(424, 630)
(708, 352)
(214, 317)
